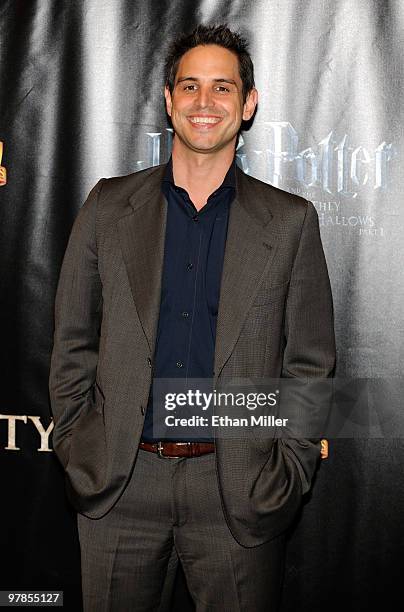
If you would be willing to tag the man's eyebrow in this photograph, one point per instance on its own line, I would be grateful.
(189, 78)
(226, 81)
(221, 80)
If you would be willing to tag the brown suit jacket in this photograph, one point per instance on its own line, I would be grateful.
(275, 319)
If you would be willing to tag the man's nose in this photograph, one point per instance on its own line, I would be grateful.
(205, 97)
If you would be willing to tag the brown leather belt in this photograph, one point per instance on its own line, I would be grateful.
(175, 450)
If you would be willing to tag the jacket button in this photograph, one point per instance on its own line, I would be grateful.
(149, 363)
(142, 410)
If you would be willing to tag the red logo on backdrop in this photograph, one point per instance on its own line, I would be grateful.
(3, 172)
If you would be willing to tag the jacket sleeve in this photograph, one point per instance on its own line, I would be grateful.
(309, 356)
(78, 311)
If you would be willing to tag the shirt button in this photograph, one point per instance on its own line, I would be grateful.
(195, 218)
(190, 266)
(185, 314)
(179, 364)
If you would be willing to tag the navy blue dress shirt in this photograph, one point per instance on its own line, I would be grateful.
(193, 262)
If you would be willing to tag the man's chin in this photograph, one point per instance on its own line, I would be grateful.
(206, 147)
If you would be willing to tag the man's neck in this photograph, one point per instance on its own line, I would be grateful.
(200, 174)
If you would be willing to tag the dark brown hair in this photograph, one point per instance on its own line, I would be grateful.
(219, 35)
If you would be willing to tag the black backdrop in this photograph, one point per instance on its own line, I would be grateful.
(81, 98)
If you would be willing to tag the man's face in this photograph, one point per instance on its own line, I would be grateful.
(206, 106)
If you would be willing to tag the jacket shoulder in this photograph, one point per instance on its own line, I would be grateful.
(117, 189)
(276, 196)
(113, 194)
(287, 208)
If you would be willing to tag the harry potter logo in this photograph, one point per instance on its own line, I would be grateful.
(3, 173)
(330, 167)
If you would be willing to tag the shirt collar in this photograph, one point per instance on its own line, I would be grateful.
(229, 179)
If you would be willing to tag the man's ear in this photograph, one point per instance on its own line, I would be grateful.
(250, 104)
(169, 103)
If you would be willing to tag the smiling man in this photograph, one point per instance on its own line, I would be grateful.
(187, 270)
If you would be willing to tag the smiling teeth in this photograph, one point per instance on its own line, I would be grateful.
(204, 119)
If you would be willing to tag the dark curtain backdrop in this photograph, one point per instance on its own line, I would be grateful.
(81, 98)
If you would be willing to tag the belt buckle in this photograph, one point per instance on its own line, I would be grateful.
(160, 452)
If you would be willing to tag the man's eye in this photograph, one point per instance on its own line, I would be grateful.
(190, 87)
(222, 89)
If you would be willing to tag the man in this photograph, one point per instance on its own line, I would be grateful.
(192, 269)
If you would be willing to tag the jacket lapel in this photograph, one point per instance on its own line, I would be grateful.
(250, 247)
(142, 236)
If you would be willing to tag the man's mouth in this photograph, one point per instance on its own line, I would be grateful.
(205, 120)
